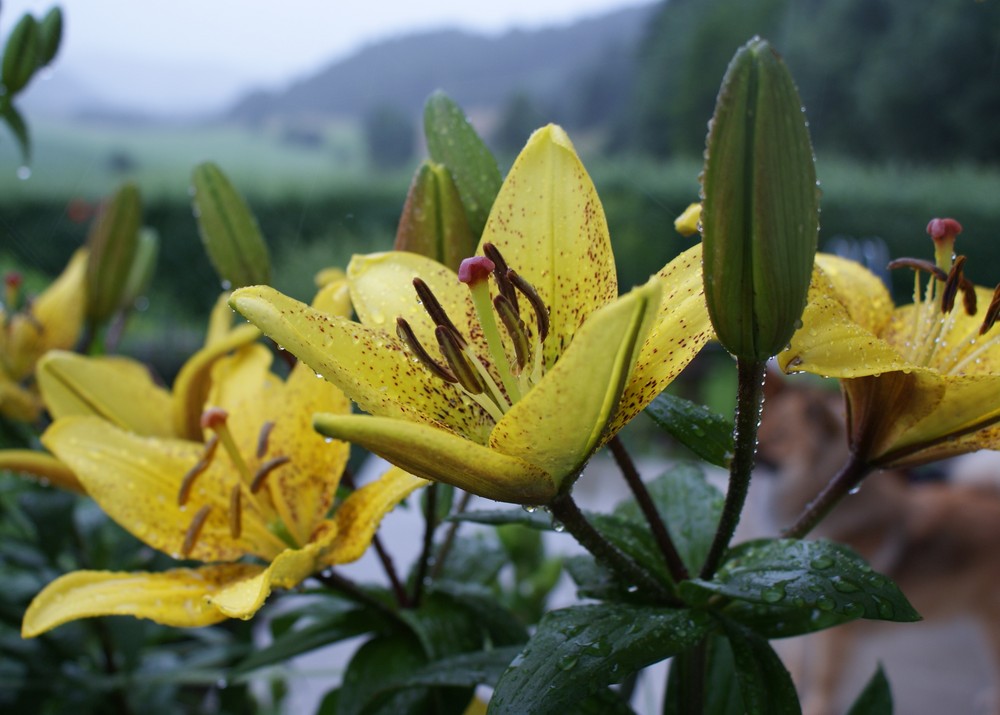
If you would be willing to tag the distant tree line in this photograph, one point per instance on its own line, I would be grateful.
(880, 79)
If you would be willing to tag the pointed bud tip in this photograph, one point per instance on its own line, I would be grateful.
(475, 270)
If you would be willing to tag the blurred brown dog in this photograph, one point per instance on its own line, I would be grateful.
(938, 540)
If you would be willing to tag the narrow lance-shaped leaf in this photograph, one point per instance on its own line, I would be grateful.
(704, 432)
(112, 240)
(17, 126)
(876, 698)
(452, 141)
(760, 217)
(433, 222)
(229, 230)
(20, 56)
(49, 36)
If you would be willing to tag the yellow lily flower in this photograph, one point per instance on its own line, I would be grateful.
(52, 320)
(511, 413)
(250, 496)
(922, 381)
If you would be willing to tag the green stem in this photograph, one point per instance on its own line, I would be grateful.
(846, 480)
(749, 398)
(353, 592)
(565, 510)
(430, 524)
(678, 571)
(449, 538)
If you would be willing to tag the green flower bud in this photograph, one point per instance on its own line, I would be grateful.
(112, 240)
(143, 266)
(50, 30)
(229, 230)
(433, 223)
(21, 55)
(760, 217)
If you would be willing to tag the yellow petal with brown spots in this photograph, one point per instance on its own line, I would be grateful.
(172, 598)
(358, 518)
(372, 367)
(441, 456)
(549, 225)
(563, 419)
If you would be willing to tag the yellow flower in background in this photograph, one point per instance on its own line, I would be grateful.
(922, 381)
(505, 379)
(250, 495)
(52, 320)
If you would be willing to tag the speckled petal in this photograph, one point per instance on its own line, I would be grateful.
(192, 383)
(861, 292)
(173, 598)
(562, 420)
(442, 456)
(135, 480)
(243, 598)
(830, 343)
(370, 366)
(681, 329)
(116, 389)
(358, 518)
(43, 467)
(549, 224)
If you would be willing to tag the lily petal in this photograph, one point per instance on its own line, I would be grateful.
(135, 480)
(173, 598)
(370, 366)
(116, 389)
(44, 467)
(192, 383)
(548, 222)
(439, 455)
(559, 423)
(358, 518)
(681, 329)
(861, 292)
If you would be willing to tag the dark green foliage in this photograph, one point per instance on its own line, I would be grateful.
(876, 698)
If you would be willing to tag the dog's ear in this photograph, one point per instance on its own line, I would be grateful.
(774, 383)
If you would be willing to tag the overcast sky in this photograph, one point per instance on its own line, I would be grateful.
(200, 54)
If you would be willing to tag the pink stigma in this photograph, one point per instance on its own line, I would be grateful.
(475, 269)
(939, 228)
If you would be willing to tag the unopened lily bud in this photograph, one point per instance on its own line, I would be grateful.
(760, 215)
(50, 30)
(21, 55)
(143, 266)
(113, 242)
(433, 222)
(229, 230)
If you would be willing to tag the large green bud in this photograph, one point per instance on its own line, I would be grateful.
(113, 241)
(760, 217)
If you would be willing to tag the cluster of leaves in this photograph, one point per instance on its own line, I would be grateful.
(31, 46)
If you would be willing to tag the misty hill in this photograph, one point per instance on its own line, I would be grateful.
(478, 71)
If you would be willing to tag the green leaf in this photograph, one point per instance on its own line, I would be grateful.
(634, 538)
(581, 650)
(707, 434)
(760, 215)
(474, 559)
(452, 141)
(499, 626)
(49, 36)
(21, 55)
(876, 698)
(688, 505)
(113, 241)
(443, 627)
(328, 629)
(433, 222)
(228, 229)
(18, 127)
(463, 670)
(593, 580)
(390, 657)
(765, 686)
(803, 577)
(721, 690)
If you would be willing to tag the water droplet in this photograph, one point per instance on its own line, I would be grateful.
(845, 586)
(24, 173)
(825, 603)
(227, 285)
(821, 563)
(773, 594)
(567, 662)
(530, 508)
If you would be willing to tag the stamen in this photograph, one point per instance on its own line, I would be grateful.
(475, 272)
(515, 329)
(992, 313)
(918, 264)
(265, 469)
(500, 269)
(529, 292)
(406, 334)
(184, 493)
(262, 438)
(214, 419)
(235, 514)
(434, 308)
(951, 285)
(194, 530)
(461, 367)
